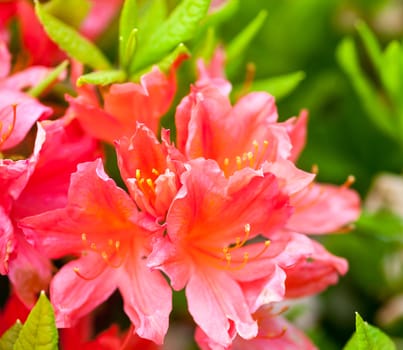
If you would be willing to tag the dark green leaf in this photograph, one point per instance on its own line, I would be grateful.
(380, 115)
(371, 44)
(237, 47)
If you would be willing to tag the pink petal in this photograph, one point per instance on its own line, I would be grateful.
(28, 111)
(145, 102)
(95, 121)
(338, 207)
(5, 58)
(66, 146)
(214, 73)
(275, 333)
(314, 273)
(297, 129)
(99, 209)
(147, 298)
(100, 16)
(26, 78)
(73, 296)
(7, 241)
(30, 271)
(14, 175)
(213, 300)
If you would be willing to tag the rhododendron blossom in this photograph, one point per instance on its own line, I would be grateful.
(101, 222)
(208, 251)
(101, 204)
(34, 185)
(124, 105)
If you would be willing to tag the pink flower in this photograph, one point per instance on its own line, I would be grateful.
(275, 333)
(246, 135)
(151, 176)
(102, 222)
(18, 111)
(125, 105)
(209, 222)
(313, 274)
(32, 186)
(338, 205)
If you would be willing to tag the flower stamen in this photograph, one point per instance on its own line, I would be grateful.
(4, 136)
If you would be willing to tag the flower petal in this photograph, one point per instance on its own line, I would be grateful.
(147, 298)
(213, 300)
(73, 296)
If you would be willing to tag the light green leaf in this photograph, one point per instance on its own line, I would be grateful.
(390, 72)
(72, 12)
(128, 22)
(9, 338)
(207, 45)
(279, 86)
(236, 48)
(38, 89)
(178, 28)
(39, 331)
(69, 40)
(367, 337)
(222, 14)
(104, 77)
(166, 63)
(371, 44)
(376, 110)
(152, 14)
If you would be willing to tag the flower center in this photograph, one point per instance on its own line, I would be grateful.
(111, 254)
(147, 185)
(252, 158)
(234, 256)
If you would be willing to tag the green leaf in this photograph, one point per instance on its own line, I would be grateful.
(38, 89)
(102, 78)
(236, 48)
(382, 225)
(376, 110)
(9, 338)
(279, 86)
(152, 14)
(72, 12)
(166, 63)
(207, 45)
(69, 40)
(178, 28)
(391, 70)
(222, 14)
(128, 22)
(367, 337)
(39, 331)
(371, 44)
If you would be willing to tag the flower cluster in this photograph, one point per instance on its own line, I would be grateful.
(222, 212)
